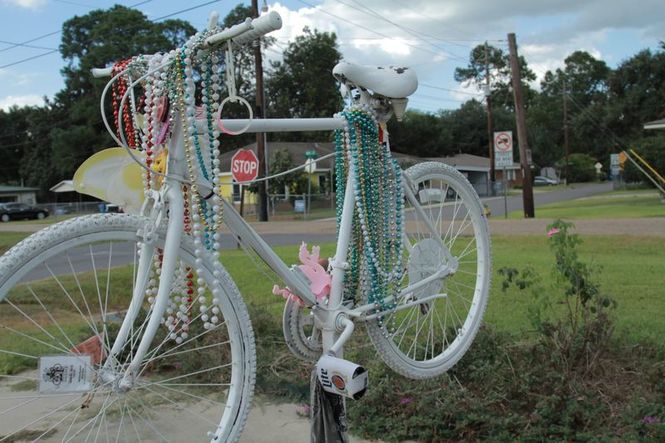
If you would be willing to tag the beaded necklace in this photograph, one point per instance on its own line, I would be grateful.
(170, 93)
(375, 258)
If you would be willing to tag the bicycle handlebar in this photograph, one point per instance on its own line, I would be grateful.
(249, 30)
(240, 34)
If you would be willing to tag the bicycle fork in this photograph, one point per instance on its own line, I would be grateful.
(173, 199)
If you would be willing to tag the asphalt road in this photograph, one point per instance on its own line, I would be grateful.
(496, 204)
(81, 259)
(316, 233)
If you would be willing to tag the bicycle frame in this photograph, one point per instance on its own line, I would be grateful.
(332, 317)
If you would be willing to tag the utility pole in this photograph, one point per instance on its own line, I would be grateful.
(527, 185)
(490, 129)
(565, 129)
(259, 113)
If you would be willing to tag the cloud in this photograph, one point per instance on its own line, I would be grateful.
(27, 4)
(20, 101)
(549, 57)
(363, 36)
(435, 37)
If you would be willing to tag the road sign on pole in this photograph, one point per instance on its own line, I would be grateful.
(503, 149)
(244, 165)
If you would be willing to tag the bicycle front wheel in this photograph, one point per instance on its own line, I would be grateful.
(64, 292)
(447, 251)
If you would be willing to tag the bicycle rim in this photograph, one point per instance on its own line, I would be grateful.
(65, 291)
(426, 339)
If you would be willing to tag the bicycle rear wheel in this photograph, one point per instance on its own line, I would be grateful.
(68, 287)
(445, 229)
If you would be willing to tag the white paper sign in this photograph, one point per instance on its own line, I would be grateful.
(65, 373)
(503, 149)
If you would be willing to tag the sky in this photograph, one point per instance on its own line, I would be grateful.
(432, 36)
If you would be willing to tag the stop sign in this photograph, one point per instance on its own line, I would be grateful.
(244, 165)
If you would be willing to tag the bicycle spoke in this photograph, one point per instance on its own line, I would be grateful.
(198, 416)
(202, 371)
(74, 274)
(131, 417)
(37, 420)
(189, 394)
(87, 277)
(20, 405)
(150, 425)
(99, 298)
(26, 316)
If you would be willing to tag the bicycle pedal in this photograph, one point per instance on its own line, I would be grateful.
(342, 377)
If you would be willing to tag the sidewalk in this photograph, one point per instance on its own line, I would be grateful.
(270, 423)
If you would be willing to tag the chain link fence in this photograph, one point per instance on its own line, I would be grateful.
(301, 206)
(65, 208)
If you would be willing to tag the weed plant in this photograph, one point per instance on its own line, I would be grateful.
(571, 380)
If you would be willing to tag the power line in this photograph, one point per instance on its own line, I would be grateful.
(363, 27)
(75, 4)
(57, 32)
(475, 94)
(584, 111)
(454, 28)
(26, 46)
(28, 59)
(403, 28)
(431, 97)
(184, 10)
(15, 45)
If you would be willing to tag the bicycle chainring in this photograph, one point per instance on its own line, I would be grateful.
(302, 337)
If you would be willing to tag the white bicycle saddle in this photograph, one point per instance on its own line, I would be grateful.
(391, 81)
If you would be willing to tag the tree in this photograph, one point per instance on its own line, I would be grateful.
(37, 162)
(636, 92)
(302, 85)
(468, 125)
(244, 55)
(500, 76)
(585, 79)
(245, 74)
(15, 135)
(102, 37)
(651, 149)
(420, 134)
(580, 168)
(98, 39)
(294, 182)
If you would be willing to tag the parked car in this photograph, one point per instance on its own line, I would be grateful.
(17, 211)
(540, 180)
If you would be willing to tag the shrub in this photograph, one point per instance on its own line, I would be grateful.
(573, 381)
(580, 168)
(651, 149)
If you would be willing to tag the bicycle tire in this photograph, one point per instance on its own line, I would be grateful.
(432, 181)
(188, 401)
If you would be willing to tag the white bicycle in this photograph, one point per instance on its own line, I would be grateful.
(127, 327)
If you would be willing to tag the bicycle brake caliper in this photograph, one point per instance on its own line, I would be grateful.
(152, 211)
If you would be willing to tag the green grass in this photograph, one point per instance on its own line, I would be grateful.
(9, 239)
(619, 204)
(630, 271)
(48, 220)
